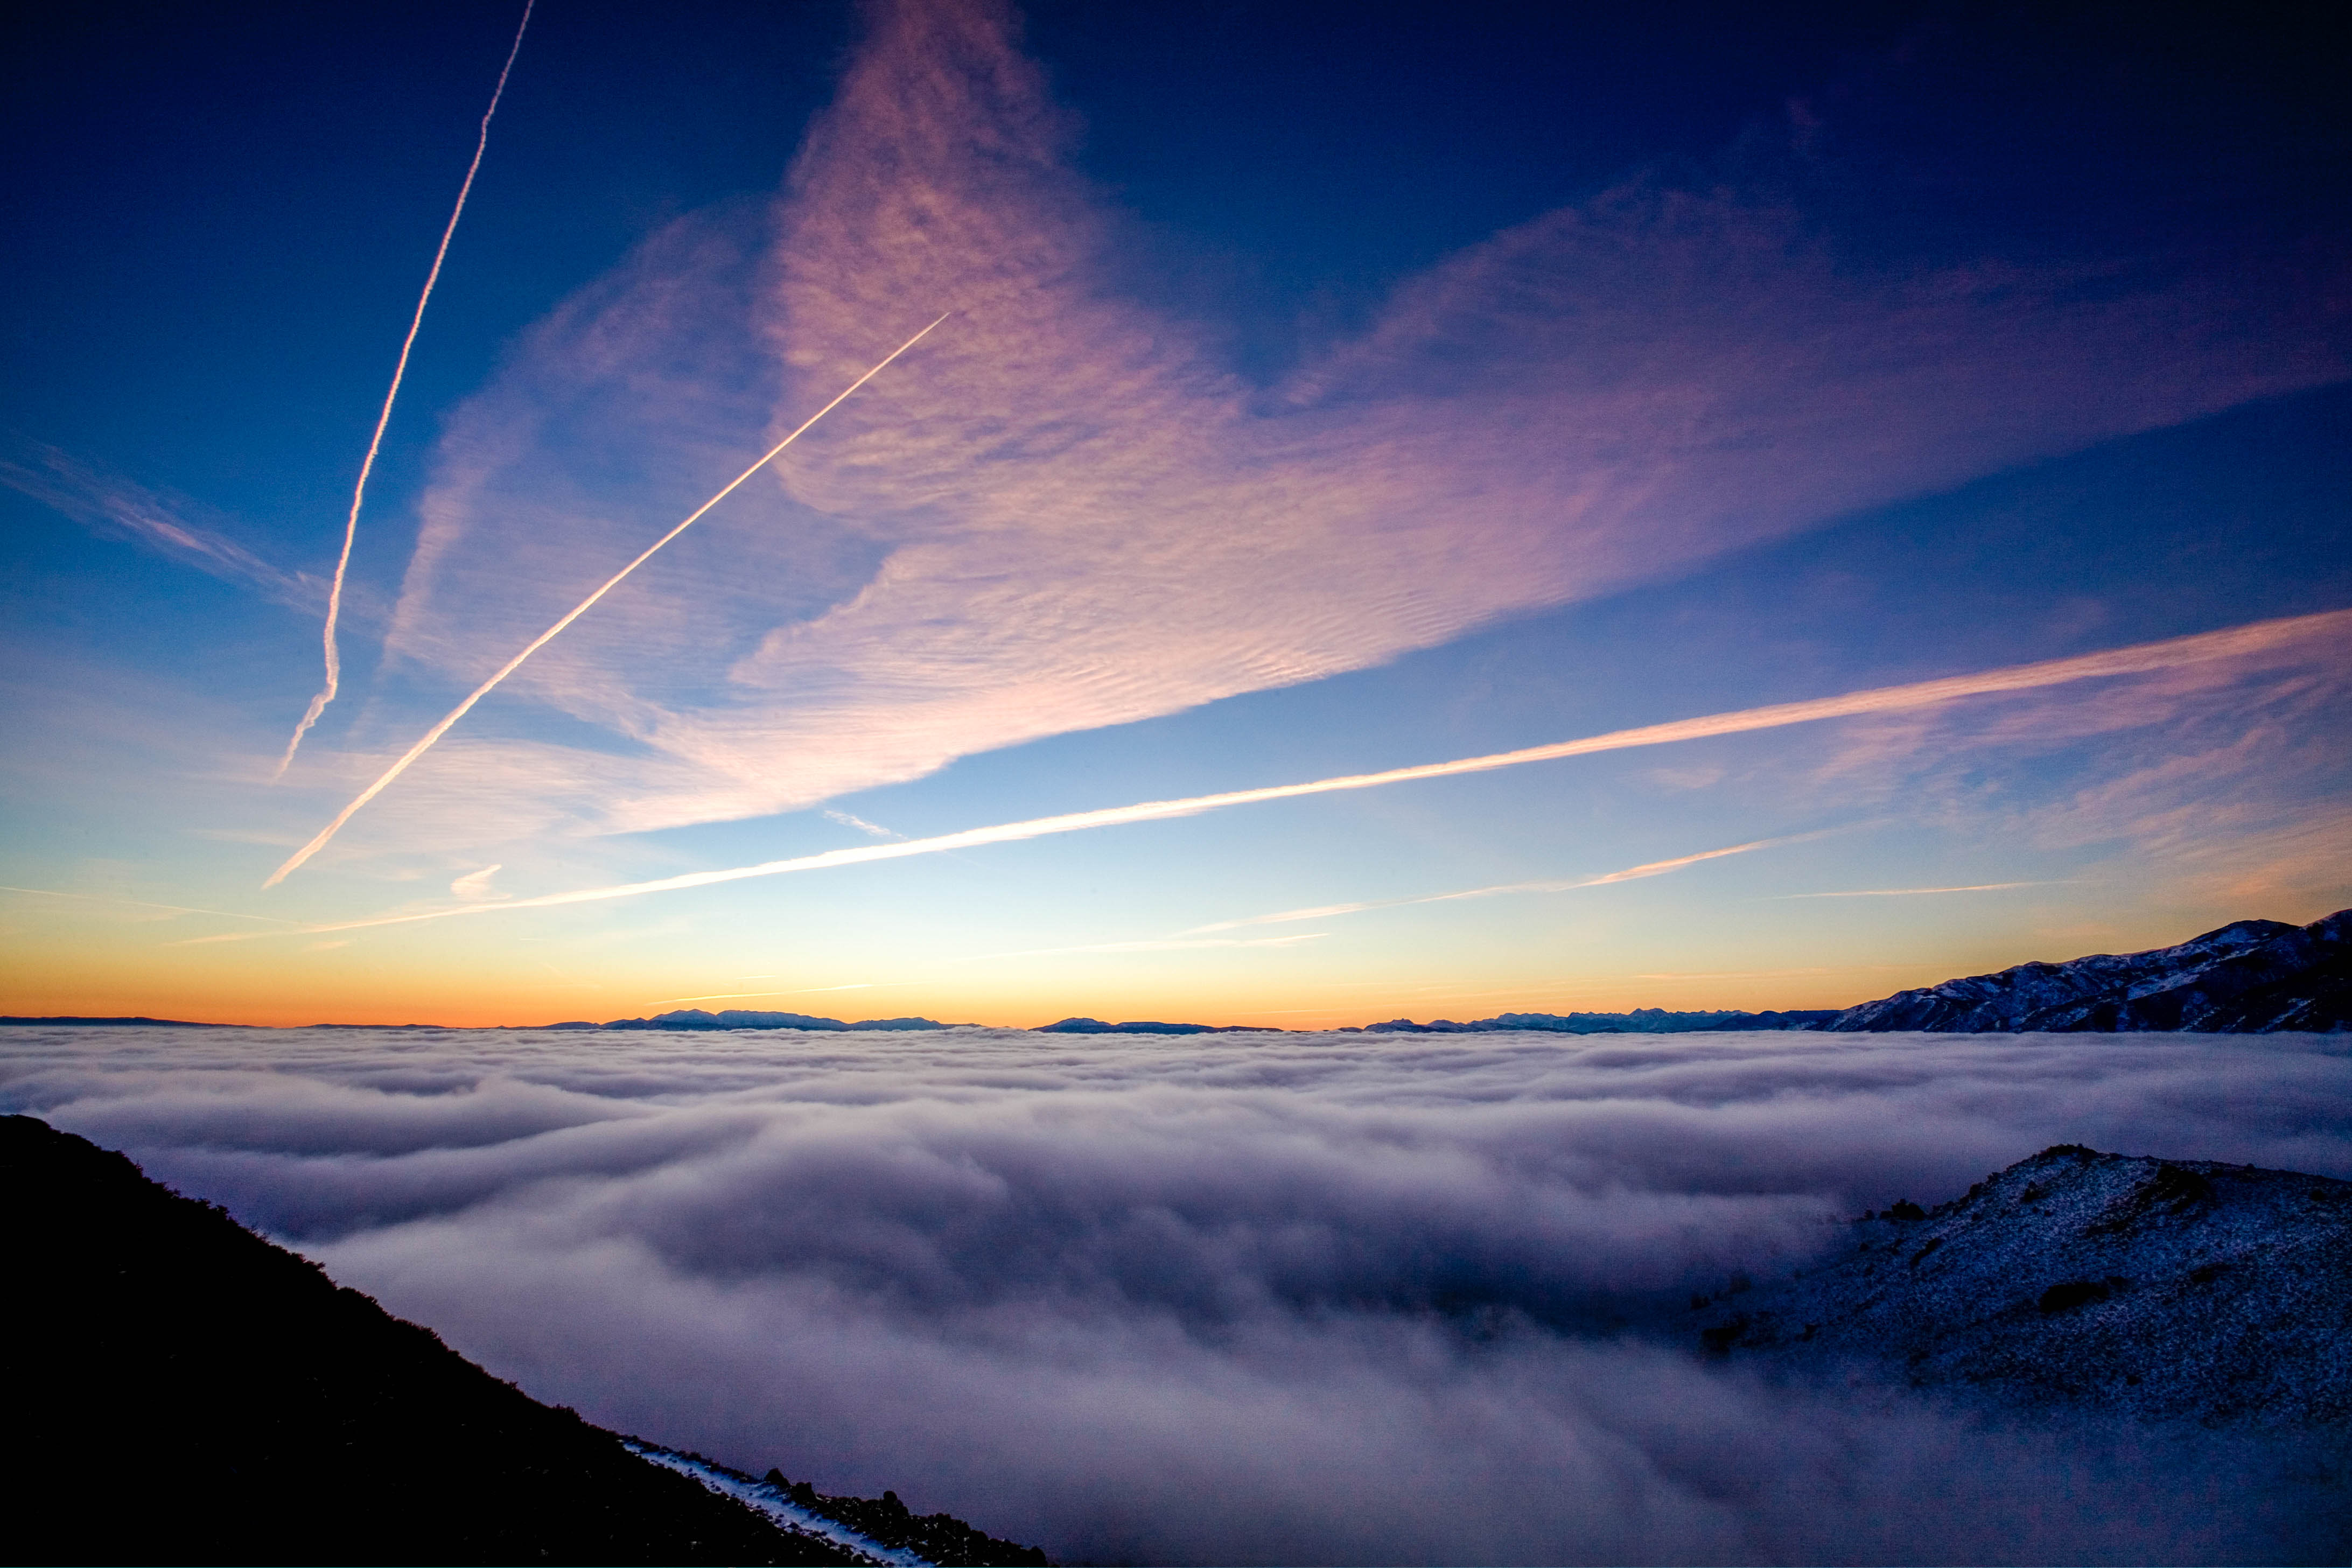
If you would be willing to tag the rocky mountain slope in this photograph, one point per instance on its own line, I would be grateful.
(2166, 1289)
(182, 1391)
(2249, 976)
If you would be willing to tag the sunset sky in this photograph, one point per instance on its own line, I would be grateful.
(1325, 389)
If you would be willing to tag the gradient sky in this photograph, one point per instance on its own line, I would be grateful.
(1330, 389)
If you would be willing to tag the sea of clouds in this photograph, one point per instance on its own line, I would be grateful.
(1231, 1299)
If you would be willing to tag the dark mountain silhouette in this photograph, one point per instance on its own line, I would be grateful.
(182, 1391)
(84, 1023)
(1146, 1027)
(2247, 977)
(744, 1018)
(1640, 1021)
(2164, 1289)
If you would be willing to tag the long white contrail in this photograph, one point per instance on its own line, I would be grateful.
(399, 371)
(2237, 642)
(540, 641)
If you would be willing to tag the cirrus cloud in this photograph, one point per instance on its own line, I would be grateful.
(1072, 512)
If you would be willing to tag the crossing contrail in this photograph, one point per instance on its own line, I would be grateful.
(578, 610)
(2256, 639)
(399, 370)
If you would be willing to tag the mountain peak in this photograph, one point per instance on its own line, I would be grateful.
(2249, 976)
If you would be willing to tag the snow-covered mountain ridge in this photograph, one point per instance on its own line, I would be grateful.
(883, 1531)
(2249, 976)
(2163, 1289)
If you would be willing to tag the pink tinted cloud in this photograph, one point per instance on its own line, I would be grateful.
(1072, 513)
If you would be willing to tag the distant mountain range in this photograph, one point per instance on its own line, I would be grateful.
(2247, 977)
(744, 1018)
(182, 1391)
(2167, 1290)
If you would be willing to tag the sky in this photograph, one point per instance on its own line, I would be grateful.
(1322, 391)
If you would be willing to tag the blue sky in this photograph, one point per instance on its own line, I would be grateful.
(1329, 389)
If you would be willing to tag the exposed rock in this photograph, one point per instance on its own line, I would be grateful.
(2166, 1288)
(2249, 976)
(939, 1537)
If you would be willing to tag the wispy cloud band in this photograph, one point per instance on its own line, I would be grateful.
(2291, 636)
(1630, 874)
(1915, 892)
(110, 505)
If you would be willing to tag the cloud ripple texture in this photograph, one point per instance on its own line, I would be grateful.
(1067, 510)
(1236, 1299)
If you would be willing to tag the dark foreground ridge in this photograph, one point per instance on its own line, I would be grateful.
(2247, 977)
(182, 1391)
(2167, 1290)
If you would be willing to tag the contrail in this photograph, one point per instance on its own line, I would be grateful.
(145, 904)
(2236, 642)
(1630, 874)
(399, 370)
(578, 610)
(1909, 892)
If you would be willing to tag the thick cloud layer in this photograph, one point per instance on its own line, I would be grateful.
(1232, 1299)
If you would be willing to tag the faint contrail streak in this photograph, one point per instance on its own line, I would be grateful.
(399, 370)
(2205, 647)
(1630, 874)
(145, 904)
(1909, 892)
(578, 610)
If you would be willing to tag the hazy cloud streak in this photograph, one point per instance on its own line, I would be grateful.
(871, 829)
(145, 904)
(109, 504)
(1630, 874)
(803, 991)
(1914, 892)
